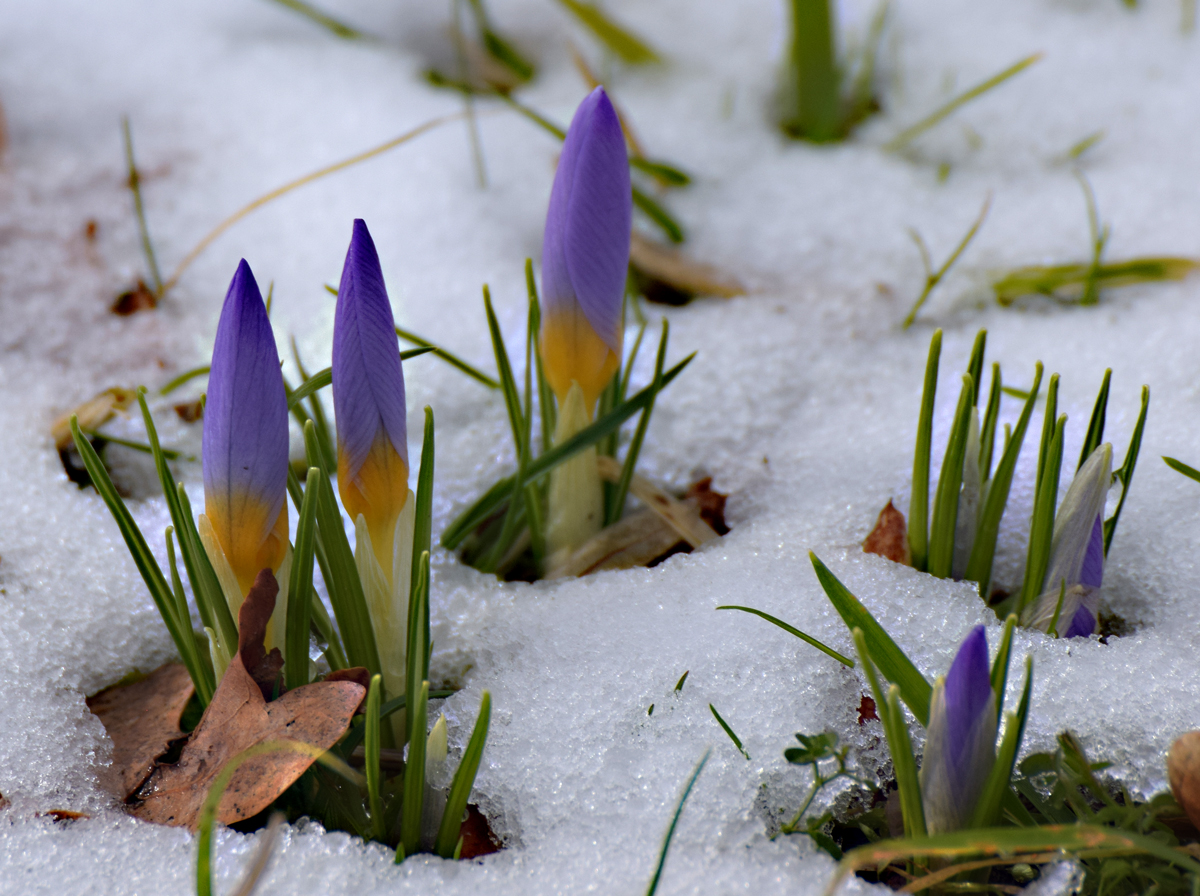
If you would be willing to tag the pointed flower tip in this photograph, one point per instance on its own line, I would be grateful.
(368, 392)
(968, 683)
(585, 251)
(244, 444)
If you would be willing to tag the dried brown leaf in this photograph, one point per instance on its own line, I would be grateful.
(66, 815)
(141, 720)
(190, 411)
(681, 272)
(889, 538)
(1183, 769)
(92, 414)
(682, 516)
(634, 540)
(239, 717)
(140, 298)
(710, 503)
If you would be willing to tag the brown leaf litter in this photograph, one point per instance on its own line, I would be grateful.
(140, 298)
(242, 715)
(670, 277)
(889, 538)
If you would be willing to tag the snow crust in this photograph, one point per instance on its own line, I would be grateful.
(801, 403)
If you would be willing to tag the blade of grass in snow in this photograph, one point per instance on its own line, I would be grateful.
(918, 505)
(168, 453)
(468, 96)
(687, 791)
(737, 741)
(497, 47)
(299, 597)
(1180, 467)
(258, 203)
(417, 649)
(884, 652)
(932, 277)
(991, 418)
(413, 798)
(910, 133)
(451, 359)
(447, 842)
(635, 444)
(185, 377)
(1095, 431)
(658, 215)
(999, 674)
(1041, 527)
(945, 503)
(1125, 473)
(813, 91)
(135, 187)
(423, 523)
(624, 43)
(828, 651)
(683, 677)
(326, 21)
(371, 728)
(1066, 282)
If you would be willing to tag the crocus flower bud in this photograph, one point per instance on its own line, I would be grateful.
(960, 747)
(1076, 553)
(245, 443)
(585, 253)
(368, 398)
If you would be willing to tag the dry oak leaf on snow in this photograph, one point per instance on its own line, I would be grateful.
(1183, 770)
(889, 538)
(142, 719)
(240, 717)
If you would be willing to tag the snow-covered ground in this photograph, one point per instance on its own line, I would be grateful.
(801, 403)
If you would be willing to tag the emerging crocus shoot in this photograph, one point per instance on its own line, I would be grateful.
(960, 745)
(244, 452)
(372, 448)
(585, 258)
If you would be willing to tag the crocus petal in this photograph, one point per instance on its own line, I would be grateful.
(1075, 522)
(585, 251)
(961, 744)
(1092, 572)
(1083, 624)
(245, 440)
(368, 396)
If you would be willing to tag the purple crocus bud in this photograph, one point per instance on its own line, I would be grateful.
(245, 442)
(368, 398)
(960, 745)
(1076, 569)
(585, 253)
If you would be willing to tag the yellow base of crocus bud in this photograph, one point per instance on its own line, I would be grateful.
(377, 493)
(387, 598)
(576, 495)
(573, 353)
(239, 533)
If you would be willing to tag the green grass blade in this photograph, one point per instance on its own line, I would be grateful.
(975, 364)
(532, 496)
(508, 383)
(326, 21)
(372, 744)
(417, 648)
(999, 676)
(666, 174)
(413, 798)
(737, 741)
(185, 377)
(910, 133)
(991, 418)
(545, 395)
(828, 651)
(451, 359)
(323, 625)
(135, 187)
(987, 810)
(983, 551)
(1041, 527)
(895, 729)
(687, 791)
(1180, 467)
(1049, 419)
(918, 505)
(181, 605)
(1095, 430)
(210, 598)
(345, 588)
(813, 104)
(316, 413)
(658, 215)
(945, 504)
(635, 445)
(423, 512)
(1125, 474)
(884, 652)
(180, 629)
(624, 43)
(300, 593)
(467, 521)
(464, 780)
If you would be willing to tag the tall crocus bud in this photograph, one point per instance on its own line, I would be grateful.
(1076, 568)
(245, 444)
(960, 746)
(368, 399)
(585, 253)
(585, 259)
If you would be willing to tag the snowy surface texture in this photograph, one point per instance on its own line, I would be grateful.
(801, 403)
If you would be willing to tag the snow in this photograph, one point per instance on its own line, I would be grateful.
(801, 403)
